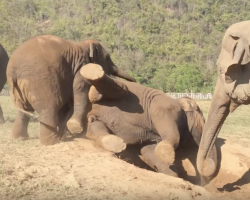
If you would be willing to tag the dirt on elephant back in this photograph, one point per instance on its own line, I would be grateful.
(79, 169)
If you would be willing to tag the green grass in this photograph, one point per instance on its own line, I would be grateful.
(236, 127)
(9, 113)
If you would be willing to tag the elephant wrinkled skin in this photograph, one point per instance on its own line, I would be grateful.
(4, 58)
(125, 113)
(232, 89)
(43, 76)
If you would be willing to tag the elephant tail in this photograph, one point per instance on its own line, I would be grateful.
(17, 96)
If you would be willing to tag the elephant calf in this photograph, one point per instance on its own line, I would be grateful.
(125, 113)
(43, 76)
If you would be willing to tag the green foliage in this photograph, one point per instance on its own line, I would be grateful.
(145, 38)
(185, 78)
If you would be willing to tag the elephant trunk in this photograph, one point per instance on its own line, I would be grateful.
(122, 74)
(219, 110)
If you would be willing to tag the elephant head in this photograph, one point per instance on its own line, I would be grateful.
(99, 55)
(232, 89)
(195, 118)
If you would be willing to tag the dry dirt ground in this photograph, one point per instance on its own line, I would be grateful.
(78, 169)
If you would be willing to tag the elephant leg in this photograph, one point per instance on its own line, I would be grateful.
(149, 157)
(2, 120)
(20, 126)
(78, 122)
(63, 116)
(165, 119)
(165, 150)
(49, 134)
(103, 86)
(98, 132)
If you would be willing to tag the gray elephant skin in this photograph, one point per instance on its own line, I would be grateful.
(125, 113)
(232, 90)
(43, 76)
(4, 59)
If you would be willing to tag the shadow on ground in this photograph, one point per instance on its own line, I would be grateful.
(185, 161)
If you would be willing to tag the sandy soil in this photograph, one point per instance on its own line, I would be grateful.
(79, 169)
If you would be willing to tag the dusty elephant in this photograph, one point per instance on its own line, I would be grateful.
(232, 89)
(125, 113)
(43, 76)
(4, 59)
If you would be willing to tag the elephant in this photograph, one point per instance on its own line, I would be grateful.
(126, 113)
(43, 76)
(232, 90)
(4, 59)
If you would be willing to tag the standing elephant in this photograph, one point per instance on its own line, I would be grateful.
(43, 76)
(125, 113)
(4, 59)
(232, 89)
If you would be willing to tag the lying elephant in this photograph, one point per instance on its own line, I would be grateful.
(125, 113)
(4, 59)
(43, 76)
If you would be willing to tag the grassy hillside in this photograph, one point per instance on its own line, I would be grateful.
(172, 45)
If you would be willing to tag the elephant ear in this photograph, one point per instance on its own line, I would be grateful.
(240, 53)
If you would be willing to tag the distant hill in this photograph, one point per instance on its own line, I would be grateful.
(171, 45)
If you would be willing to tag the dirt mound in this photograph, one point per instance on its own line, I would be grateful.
(81, 170)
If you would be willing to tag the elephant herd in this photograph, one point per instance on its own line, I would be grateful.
(73, 86)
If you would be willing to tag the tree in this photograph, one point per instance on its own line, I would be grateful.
(145, 38)
(185, 78)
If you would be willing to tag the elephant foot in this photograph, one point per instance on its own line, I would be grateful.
(92, 72)
(20, 138)
(19, 133)
(49, 135)
(149, 157)
(74, 126)
(50, 139)
(165, 152)
(112, 143)
(20, 127)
